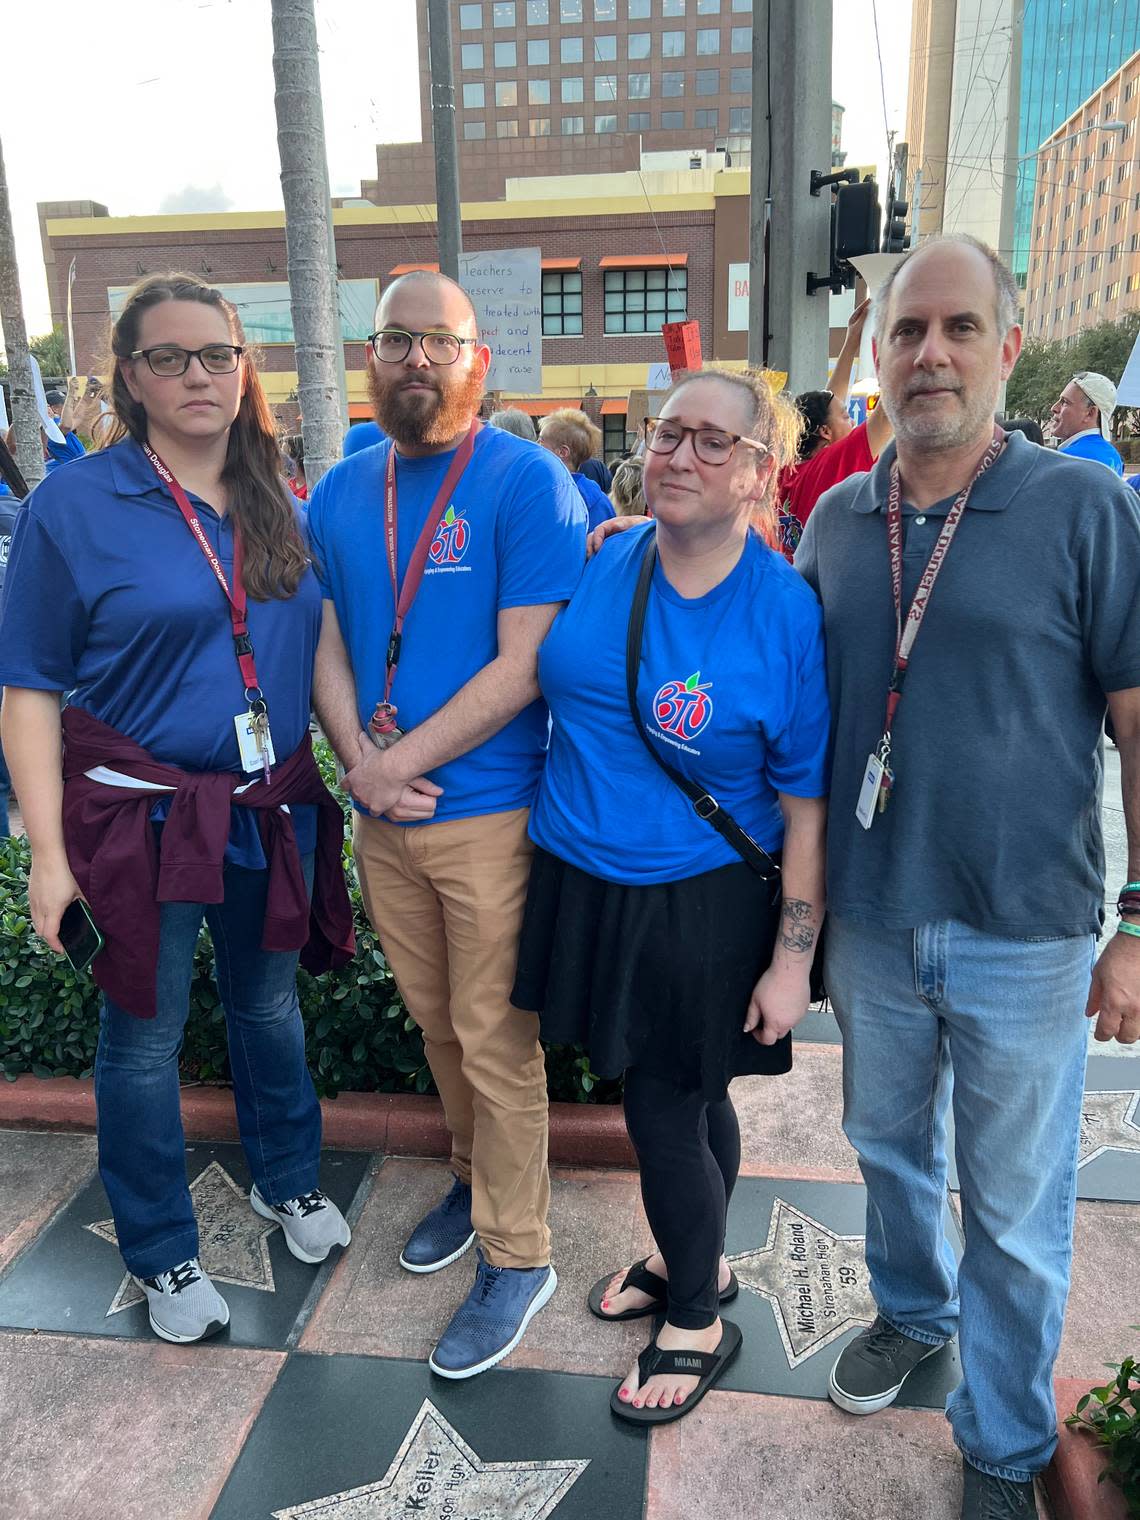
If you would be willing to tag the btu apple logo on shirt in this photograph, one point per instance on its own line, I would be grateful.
(450, 544)
(683, 708)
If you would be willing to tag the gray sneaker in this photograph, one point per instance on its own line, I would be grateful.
(312, 1224)
(872, 1369)
(988, 1498)
(183, 1303)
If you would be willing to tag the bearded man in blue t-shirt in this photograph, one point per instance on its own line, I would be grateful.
(445, 553)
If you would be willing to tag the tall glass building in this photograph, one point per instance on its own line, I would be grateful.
(1069, 48)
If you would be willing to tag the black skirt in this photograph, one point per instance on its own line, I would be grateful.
(657, 976)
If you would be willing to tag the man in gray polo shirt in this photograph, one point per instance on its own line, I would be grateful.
(965, 898)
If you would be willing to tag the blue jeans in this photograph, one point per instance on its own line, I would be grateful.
(1001, 1022)
(142, 1157)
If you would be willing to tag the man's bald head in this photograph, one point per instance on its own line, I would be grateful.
(427, 291)
(968, 249)
(426, 403)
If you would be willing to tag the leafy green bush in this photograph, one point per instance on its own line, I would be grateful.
(359, 1035)
(1112, 1413)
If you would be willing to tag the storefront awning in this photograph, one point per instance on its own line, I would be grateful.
(543, 406)
(644, 261)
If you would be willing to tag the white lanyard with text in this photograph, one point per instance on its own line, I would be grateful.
(878, 777)
(255, 744)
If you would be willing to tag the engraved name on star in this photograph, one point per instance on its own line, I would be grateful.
(816, 1281)
(1109, 1122)
(437, 1476)
(232, 1239)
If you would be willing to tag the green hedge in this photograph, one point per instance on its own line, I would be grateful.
(359, 1036)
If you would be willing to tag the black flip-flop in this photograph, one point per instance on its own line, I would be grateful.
(708, 1365)
(639, 1276)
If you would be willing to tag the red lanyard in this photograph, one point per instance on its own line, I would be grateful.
(403, 596)
(236, 598)
(905, 634)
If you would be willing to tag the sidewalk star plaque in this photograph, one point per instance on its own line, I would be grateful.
(232, 1238)
(436, 1475)
(815, 1280)
(1108, 1123)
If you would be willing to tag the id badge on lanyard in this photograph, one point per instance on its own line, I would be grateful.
(878, 783)
(255, 742)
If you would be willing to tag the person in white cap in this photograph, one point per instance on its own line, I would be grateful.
(1082, 419)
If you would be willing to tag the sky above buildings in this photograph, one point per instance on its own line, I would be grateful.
(167, 105)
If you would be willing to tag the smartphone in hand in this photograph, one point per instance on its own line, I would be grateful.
(79, 936)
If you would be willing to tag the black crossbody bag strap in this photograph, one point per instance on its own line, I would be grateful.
(704, 804)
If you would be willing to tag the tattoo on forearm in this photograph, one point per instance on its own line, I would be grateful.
(797, 925)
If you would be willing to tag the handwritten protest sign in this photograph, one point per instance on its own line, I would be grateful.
(506, 291)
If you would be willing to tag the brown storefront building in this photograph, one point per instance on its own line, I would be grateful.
(662, 248)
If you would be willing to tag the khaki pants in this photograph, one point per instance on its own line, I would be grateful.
(446, 900)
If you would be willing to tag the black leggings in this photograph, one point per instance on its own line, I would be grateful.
(688, 1151)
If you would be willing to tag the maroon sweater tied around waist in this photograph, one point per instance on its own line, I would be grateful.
(125, 874)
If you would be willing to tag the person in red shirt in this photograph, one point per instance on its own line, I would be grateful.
(831, 447)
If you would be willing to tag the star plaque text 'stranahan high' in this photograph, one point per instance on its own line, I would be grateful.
(815, 1280)
(232, 1244)
(437, 1476)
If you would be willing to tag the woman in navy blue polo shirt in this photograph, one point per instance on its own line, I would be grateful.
(647, 936)
(163, 587)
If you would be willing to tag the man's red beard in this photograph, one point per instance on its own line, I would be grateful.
(416, 418)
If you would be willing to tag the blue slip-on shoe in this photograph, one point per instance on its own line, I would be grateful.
(490, 1322)
(442, 1236)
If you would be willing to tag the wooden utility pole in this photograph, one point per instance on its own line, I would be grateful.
(309, 242)
(25, 415)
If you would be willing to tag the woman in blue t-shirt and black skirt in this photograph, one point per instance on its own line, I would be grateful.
(671, 937)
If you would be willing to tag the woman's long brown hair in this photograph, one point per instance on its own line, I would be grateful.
(259, 504)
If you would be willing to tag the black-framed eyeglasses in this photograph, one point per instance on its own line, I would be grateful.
(392, 345)
(710, 445)
(169, 360)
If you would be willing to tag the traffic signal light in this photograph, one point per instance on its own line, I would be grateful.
(856, 221)
(895, 236)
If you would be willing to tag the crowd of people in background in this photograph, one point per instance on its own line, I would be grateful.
(831, 448)
(532, 848)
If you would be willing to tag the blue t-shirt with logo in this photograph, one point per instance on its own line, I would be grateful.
(513, 535)
(732, 687)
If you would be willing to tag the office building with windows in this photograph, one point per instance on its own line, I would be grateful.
(1083, 256)
(546, 87)
(1068, 51)
(960, 94)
